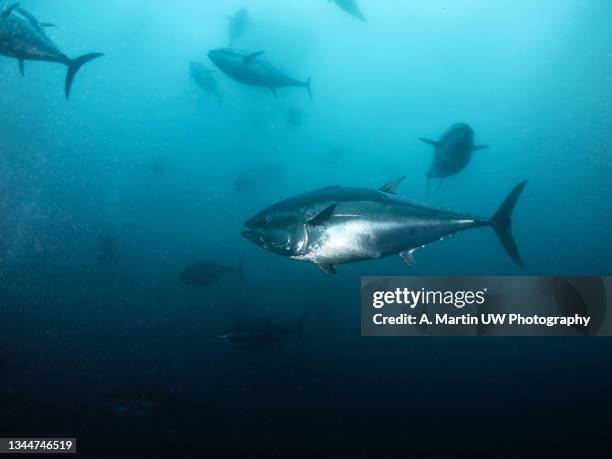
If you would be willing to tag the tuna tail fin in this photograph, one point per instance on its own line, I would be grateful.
(502, 223)
(307, 86)
(299, 327)
(74, 65)
(240, 269)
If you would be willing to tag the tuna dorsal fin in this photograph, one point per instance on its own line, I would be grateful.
(322, 217)
(392, 185)
(21, 67)
(408, 258)
(327, 268)
(6, 12)
(433, 143)
(479, 147)
(251, 57)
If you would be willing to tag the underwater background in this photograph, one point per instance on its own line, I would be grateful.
(106, 198)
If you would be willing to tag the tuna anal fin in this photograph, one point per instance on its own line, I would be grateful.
(21, 67)
(480, 147)
(433, 143)
(408, 258)
(327, 268)
(251, 57)
(392, 185)
(274, 91)
(322, 217)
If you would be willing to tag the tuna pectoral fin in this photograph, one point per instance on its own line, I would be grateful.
(46, 24)
(74, 65)
(480, 147)
(392, 185)
(327, 268)
(322, 217)
(502, 223)
(21, 67)
(433, 143)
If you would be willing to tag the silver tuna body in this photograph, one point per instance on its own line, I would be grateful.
(340, 225)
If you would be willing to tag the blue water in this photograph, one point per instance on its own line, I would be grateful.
(144, 158)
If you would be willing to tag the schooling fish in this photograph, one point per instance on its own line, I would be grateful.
(351, 7)
(204, 273)
(337, 225)
(23, 37)
(453, 151)
(250, 69)
(206, 80)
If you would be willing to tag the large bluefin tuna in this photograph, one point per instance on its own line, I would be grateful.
(337, 225)
(23, 37)
(250, 69)
(453, 151)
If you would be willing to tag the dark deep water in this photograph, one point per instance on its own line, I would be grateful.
(106, 198)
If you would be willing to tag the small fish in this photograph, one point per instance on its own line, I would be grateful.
(204, 273)
(262, 335)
